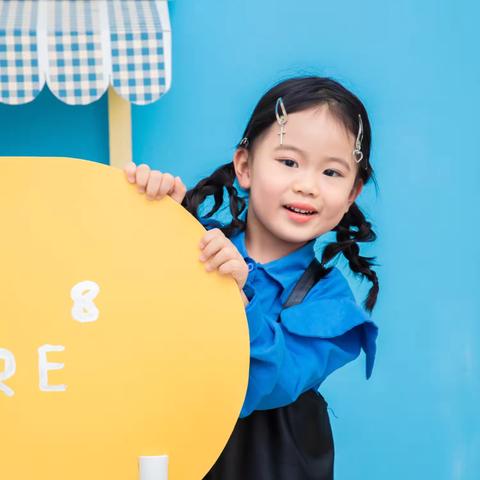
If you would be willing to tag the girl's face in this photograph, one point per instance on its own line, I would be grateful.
(303, 172)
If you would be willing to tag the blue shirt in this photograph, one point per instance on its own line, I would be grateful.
(314, 338)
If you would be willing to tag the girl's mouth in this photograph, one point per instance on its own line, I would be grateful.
(298, 215)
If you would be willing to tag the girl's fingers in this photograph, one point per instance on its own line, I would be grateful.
(166, 185)
(212, 247)
(237, 269)
(142, 175)
(229, 267)
(219, 253)
(210, 235)
(153, 184)
(222, 256)
(129, 170)
(179, 190)
(232, 267)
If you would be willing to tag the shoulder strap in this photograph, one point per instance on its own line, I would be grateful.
(312, 274)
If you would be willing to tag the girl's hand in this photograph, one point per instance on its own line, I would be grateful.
(219, 253)
(154, 183)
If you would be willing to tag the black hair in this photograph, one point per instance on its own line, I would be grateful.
(301, 93)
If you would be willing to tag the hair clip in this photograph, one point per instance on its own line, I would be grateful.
(357, 153)
(281, 119)
(244, 142)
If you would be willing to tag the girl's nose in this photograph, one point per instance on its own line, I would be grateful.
(306, 186)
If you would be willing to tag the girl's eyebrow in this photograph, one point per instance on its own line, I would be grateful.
(301, 152)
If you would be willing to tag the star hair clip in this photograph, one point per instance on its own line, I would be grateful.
(357, 153)
(281, 118)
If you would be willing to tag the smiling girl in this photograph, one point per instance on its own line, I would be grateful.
(303, 160)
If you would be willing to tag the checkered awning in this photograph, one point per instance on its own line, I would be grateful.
(80, 47)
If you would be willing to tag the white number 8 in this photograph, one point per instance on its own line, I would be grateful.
(83, 293)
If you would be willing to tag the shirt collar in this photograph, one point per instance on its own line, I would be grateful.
(285, 269)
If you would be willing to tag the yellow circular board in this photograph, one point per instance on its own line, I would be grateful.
(115, 343)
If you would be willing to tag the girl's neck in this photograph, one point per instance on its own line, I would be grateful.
(264, 247)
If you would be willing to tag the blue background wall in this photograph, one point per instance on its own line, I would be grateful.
(416, 67)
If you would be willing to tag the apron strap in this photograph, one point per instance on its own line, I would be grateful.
(312, 274)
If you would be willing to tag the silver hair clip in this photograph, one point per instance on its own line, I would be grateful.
(244, 142)
(281, 119)
(357, 153)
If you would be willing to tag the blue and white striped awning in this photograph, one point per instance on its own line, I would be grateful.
(80, 47)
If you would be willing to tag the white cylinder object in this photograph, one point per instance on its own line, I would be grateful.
(153, 467)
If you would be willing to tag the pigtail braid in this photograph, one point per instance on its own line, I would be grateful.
(347, 244)
(222, 178)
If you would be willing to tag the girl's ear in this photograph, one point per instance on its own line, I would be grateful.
(242, 167)
(356, 190)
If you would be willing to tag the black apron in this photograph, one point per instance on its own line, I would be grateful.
(293, 442)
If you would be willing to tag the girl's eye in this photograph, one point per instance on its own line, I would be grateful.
(334, 171)
(287, 160)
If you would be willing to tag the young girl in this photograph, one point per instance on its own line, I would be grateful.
(303, 159)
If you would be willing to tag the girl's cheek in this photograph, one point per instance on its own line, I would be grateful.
(333, 214)
(274, 183)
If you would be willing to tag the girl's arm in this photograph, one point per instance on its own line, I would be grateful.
(296, 354)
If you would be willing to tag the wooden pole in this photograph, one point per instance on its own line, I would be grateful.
(119, 129)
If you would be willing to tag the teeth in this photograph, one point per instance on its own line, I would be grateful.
(300, 211)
